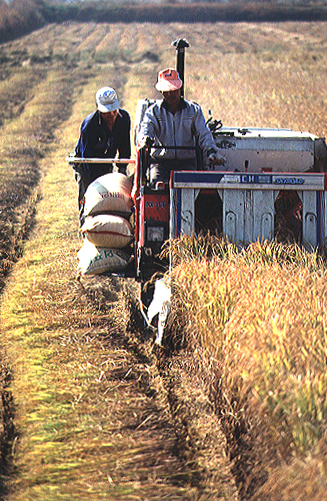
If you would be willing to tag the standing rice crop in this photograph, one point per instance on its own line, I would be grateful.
(256, 319)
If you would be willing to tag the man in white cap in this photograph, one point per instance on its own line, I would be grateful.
(103, 133)
(175, 122)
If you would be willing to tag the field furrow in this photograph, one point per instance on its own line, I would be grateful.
(16, 91)
(91, 40)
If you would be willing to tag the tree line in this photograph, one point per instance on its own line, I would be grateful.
(20, 17)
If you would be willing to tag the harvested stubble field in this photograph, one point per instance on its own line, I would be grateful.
(90, 410)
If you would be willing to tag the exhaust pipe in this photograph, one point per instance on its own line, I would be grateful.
(180, 45)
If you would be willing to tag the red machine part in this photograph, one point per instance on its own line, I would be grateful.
(154, 209)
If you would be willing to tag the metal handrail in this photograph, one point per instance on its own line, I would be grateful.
(79, 160)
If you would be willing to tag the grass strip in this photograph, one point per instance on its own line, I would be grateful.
(55, 359)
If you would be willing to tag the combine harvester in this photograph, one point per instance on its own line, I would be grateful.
(274, 181)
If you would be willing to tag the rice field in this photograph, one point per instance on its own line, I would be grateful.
(254, 322)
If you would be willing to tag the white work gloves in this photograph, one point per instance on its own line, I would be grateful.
(146, 142)
(215, 159)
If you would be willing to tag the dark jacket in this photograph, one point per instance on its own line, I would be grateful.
(98, 141)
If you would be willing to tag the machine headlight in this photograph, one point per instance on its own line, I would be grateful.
(155, 233)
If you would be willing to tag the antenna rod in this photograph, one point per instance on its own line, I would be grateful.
(180, 45)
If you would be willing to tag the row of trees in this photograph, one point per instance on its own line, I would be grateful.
(19, 17)
(23, 16)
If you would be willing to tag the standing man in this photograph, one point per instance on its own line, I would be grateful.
(174, 121)
(103, 133)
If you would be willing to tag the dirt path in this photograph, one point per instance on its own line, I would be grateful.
(195, 437)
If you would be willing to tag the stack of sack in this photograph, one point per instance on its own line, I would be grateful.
(107, 230)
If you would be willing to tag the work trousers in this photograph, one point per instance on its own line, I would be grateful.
(160, 171)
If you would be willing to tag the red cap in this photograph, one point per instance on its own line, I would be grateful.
(168, 80)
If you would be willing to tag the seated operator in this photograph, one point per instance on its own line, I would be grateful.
(103, 133)
(174, 121)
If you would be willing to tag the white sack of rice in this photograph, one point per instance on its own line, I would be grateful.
(96, 260)
(105, 230)
(109, 193)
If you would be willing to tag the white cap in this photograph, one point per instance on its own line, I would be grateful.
(107, 100)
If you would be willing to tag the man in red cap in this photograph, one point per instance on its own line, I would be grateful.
(176, 123)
